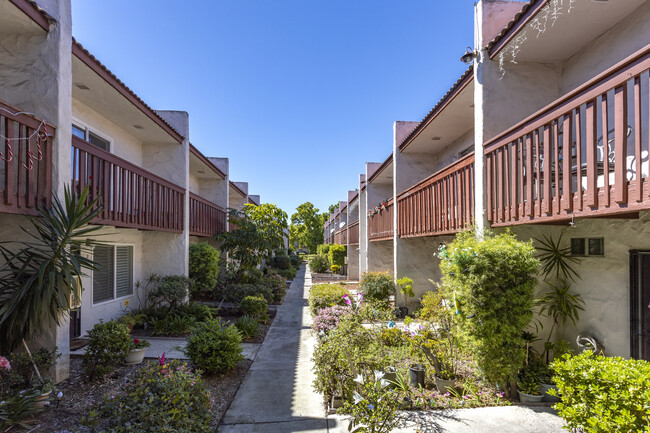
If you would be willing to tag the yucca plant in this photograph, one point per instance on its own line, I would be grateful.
(39, 276)
(556, 261)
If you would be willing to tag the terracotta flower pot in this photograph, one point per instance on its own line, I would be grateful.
(135, 356)
(42, 399)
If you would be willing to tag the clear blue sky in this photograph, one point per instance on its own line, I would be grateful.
(299, 94)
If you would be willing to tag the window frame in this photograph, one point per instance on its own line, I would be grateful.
(586, 240)
(88, 129)
(92, 276)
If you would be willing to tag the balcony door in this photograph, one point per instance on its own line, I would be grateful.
(640, 304)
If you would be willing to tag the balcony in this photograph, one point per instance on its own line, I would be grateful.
(353, 233)
(206, 218)
(130, 196)
(341, 236)
(440, 204)
(584, 155)
(380, 224)
(25, 161)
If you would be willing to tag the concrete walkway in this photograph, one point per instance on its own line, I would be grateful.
(277, 393)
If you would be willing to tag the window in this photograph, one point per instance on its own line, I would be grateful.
(113, 277)
(587, 246)
(91, 137)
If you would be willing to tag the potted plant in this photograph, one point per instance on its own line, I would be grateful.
(45, 386)
(390, 374)
(416, 375)
(406, 287)
(529, 385)
(129, 320)
(137, 351)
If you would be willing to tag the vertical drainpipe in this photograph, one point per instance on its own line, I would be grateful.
(479, 119)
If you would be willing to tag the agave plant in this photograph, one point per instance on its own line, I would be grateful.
(556, 261)
(39, 277)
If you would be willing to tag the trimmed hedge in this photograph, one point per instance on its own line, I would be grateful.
(337, 254)
(603, 394)
(326, 295)
(318, 264)
(204, 267)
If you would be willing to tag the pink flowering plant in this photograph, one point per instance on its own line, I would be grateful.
(139, 344)
(328, 318)
(162, 397)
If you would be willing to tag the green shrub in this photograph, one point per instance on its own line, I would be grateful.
(204, 267)
(335, 269)
(295, 261)
(17, 408)
(22, 370)
(162, 398)
(251, 276)
(492, 279)
(171, 291)
(318, 264)
(326, 295)
(376, 286)
(323, 250)
(280, 262)
(237, 292)
(108, 346)
(255, 306)
(248, 326)
(603, 394)
(214, 348)
(289, 274)
(337, 254)
(172, 325)
(277, 284)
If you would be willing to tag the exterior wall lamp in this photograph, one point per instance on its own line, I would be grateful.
(469, 56)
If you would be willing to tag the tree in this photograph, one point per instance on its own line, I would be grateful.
(307, 227)
(271, 221)
(38, 280)
(246, 245)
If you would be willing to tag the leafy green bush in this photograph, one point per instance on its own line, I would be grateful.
(280, 262)
(337, 254)
(108, 346)
(204, 267)
(171, 291)
(248, 326)
(326, 295)
(323, 250)
(162, 398)
(22, 370)
(172, 325)
(335, 269)
(376, 286)
(493, 282)
(251, 276)
(289, 274)
(295, 261)
(277, 284)
(255, 306)
(603, 394)
(318, 263)
(375, 407)
(214, 348)
(237, 292)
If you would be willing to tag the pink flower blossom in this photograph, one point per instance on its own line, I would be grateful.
(4, 364)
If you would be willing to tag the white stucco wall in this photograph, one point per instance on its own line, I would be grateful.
(363, 225)
(625, 38)
(380, 256)
(604, 283)
(123, 144)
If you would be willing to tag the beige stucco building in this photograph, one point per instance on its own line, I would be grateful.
(66, 120)
(545, 134)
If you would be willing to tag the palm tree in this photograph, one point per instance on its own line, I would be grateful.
(39, 278)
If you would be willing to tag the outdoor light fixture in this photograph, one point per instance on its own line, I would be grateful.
(469, 56)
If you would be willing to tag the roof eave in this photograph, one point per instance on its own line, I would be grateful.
(96, 66)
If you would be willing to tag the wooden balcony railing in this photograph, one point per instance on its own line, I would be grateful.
(380, 225)
(583, 155)
(441, 204)
(129, 196)
(353, 233)
(206, 218)
(341, 236)
(25, 161)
